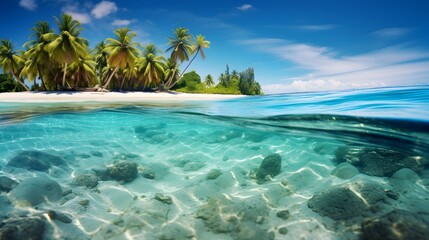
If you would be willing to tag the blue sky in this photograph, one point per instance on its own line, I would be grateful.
(293, 45)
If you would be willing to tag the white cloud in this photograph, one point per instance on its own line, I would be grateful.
(121, 22)
(103, 9)
(245, 7)
(28, 4)
(392, 32)
(83, 18)
(397, 65)
(73, 10)
(323, 27)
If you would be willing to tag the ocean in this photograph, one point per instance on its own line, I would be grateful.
(327, 165)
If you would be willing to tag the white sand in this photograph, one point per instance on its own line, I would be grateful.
(109, 97)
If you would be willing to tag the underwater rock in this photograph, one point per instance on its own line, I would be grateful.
(406, 174)
(270, 166)
(35, 160)
(283, 230)
(396, 225)
(101, 173)
(213, 174)
(84, 202)
(59, 216)
(7, 184)
(86, 180)
(349, 201)
(345, 171)
(379, 162)
(148, 174)
(31, 228)
(36, 190)
(224, 215)
(163, 198)
(284, 214)
(123, 171)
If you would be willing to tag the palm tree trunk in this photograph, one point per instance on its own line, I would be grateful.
(181, 75)
(111, 76)
(63, 85)
(19, 81)
(172, 75)
(41, 79)
(122, 84)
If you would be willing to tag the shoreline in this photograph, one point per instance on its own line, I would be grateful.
(59, 96)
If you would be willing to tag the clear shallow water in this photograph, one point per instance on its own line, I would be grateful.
(368, 149)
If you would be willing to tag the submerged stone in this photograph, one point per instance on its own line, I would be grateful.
(283, 230)
(270, 166)
(345, 171)
(23, 228)
(284, 214)
(163, 198)
(86, 180)
(213, 174)
(239, 218)
(377, 161)
(35, 160)
(36, 190)
(396, 225)
(123, 171)
(62, 217)
(7, 184)
(349, 201)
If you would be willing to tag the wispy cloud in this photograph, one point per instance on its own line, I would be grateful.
(73, 11)
(28, 4)
(392, 32)
(322, 27)
(327, 70)
(122, 22)
(245, 7)
(103, 9)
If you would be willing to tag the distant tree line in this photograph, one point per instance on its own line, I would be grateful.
(233, 82)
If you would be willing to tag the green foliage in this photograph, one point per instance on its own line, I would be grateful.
(195, 87)
(190, 78)
(208, 81)
(247, 83)
(8, 84)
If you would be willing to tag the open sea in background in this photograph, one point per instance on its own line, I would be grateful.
(338, 165)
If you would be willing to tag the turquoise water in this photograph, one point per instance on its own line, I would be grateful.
(348, 160)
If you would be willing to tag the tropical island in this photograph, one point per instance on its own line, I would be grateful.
(63, 61)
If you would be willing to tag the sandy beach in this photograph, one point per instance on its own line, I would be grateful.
(109, 97)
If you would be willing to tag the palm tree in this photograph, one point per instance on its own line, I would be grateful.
(66, 47)
(181, 48)
(83, 71)
(100, 55)
(209, 81)
(11, 61)
(38, 62)
(235, 75)
(122, 51)
(200, 44)
(223, 80)
(150, 66)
